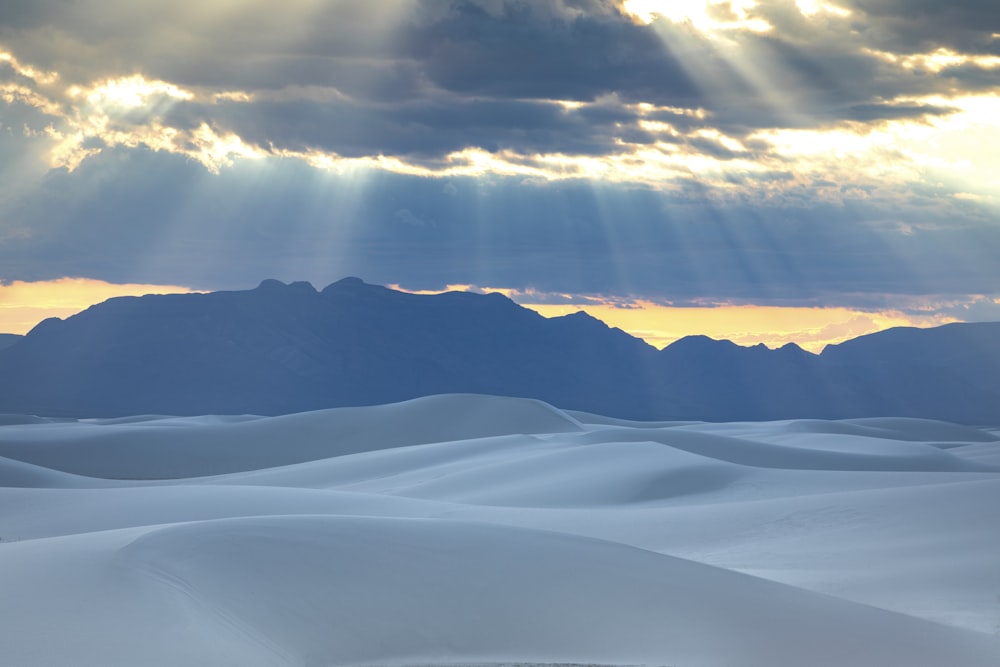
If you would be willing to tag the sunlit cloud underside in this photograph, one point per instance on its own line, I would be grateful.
(843, 158)
(650, 144)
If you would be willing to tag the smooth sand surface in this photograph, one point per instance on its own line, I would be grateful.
(481, 530)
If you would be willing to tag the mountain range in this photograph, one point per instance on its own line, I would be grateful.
(282, 348)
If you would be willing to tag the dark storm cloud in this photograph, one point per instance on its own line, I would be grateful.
(973, 78)
(421, 129)
(522, 52)
(29, 14)
(922, 26)
(250, 44)
(805, 73)
(423, 79)
(872, 112)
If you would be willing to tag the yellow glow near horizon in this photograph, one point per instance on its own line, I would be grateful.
(25, 304)
(809, 328)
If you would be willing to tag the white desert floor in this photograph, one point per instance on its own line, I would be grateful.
(474, 530)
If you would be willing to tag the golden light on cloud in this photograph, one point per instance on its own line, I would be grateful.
(702, 14)
(216, 150)
(122, 111)
(955, 148)
(659, 165)
(858, 158)
(936, 60)
(24, 304)
(212, 148)
(889, 153)
(233, 96)
(12, 92)
(814, 7)
(134, 91)
(39, 76)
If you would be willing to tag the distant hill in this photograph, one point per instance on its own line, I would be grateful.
(287, 348)
(950, 373)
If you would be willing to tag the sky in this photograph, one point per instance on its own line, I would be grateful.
(773, 171)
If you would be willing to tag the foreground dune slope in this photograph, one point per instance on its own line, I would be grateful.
(472, 529)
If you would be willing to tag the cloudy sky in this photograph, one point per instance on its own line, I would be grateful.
(774, 170)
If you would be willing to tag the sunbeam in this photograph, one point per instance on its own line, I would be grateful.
(753, 153)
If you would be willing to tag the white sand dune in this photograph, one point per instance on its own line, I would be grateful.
(15, 474)
(985, 453)
(471, 529)
(150, 447)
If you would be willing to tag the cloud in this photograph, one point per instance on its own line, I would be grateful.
(130, 215)
(922, 26)
(767, 153)
(527, 50)
(540, 90)
(425, 80)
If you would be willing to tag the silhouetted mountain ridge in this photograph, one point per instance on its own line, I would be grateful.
(282, 348)
(6, 340)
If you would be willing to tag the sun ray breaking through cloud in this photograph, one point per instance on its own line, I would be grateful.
(736, 151)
